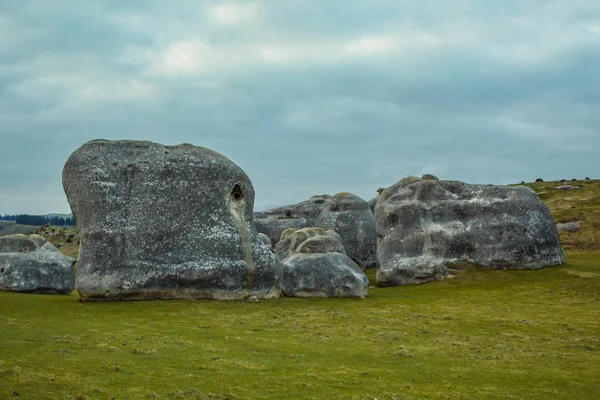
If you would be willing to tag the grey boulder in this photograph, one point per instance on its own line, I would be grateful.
(30, 264)
(351, 217)
(274, 221)
(165, 222)
(423, 225)
(315, 265)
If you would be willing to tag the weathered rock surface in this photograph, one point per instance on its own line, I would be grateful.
(164, 222)
(374, 200)
(351, 217)
(315, 265)
(422, 225)
(266, 240)
(274, 221)
(30, 264)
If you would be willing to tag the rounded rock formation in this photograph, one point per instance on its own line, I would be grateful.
(422, 225)
(351, 217)
(315, 265)
(165, 222)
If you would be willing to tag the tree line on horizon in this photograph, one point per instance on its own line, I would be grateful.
(39, 220)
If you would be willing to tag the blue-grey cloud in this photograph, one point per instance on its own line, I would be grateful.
(307, 96)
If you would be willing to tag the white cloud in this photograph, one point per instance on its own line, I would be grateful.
(15, 33)
(371, 45)
(298, 52)
(235, 13)
(595, 29)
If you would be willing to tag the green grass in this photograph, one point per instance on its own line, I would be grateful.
(482, 335)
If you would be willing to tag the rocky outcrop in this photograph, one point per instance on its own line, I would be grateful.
(351, 217)
(164, 222)
(315, 265)
(274, 221)
(31, 264)
(422, 225)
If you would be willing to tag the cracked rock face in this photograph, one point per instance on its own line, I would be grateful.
(352, 218)
(316, 265)
(32, 265)
(422, 225)
(164, 222)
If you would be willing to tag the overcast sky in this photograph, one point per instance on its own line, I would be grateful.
(307, 96)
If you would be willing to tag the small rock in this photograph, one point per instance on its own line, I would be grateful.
(252, 299)
(568, 226)
(565, 187)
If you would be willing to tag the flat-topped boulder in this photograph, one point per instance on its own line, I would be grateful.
(352, 218)
(425, 224)
(315, 265)
(165, 222)
(31, 264)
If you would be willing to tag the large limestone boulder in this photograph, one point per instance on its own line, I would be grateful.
(315, 265)
(164, 222)
(274, 221)
(31, 264)
(422, 225)
(351, 217)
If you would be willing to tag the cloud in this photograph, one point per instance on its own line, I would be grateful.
(371, 45)
(236, 13)
(307, 96)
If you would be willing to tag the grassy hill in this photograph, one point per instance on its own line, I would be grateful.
(581, 204)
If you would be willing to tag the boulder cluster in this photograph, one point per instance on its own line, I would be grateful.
(169, 222)
(347, 214)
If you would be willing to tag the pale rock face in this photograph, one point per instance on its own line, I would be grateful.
(315, 265)
(164, 222)
(351, 217)
(422, 225)
(32, 265)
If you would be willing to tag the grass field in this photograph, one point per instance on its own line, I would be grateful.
(483, 335)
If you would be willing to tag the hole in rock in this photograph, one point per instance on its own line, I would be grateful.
(236, 193)
(1, 269)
